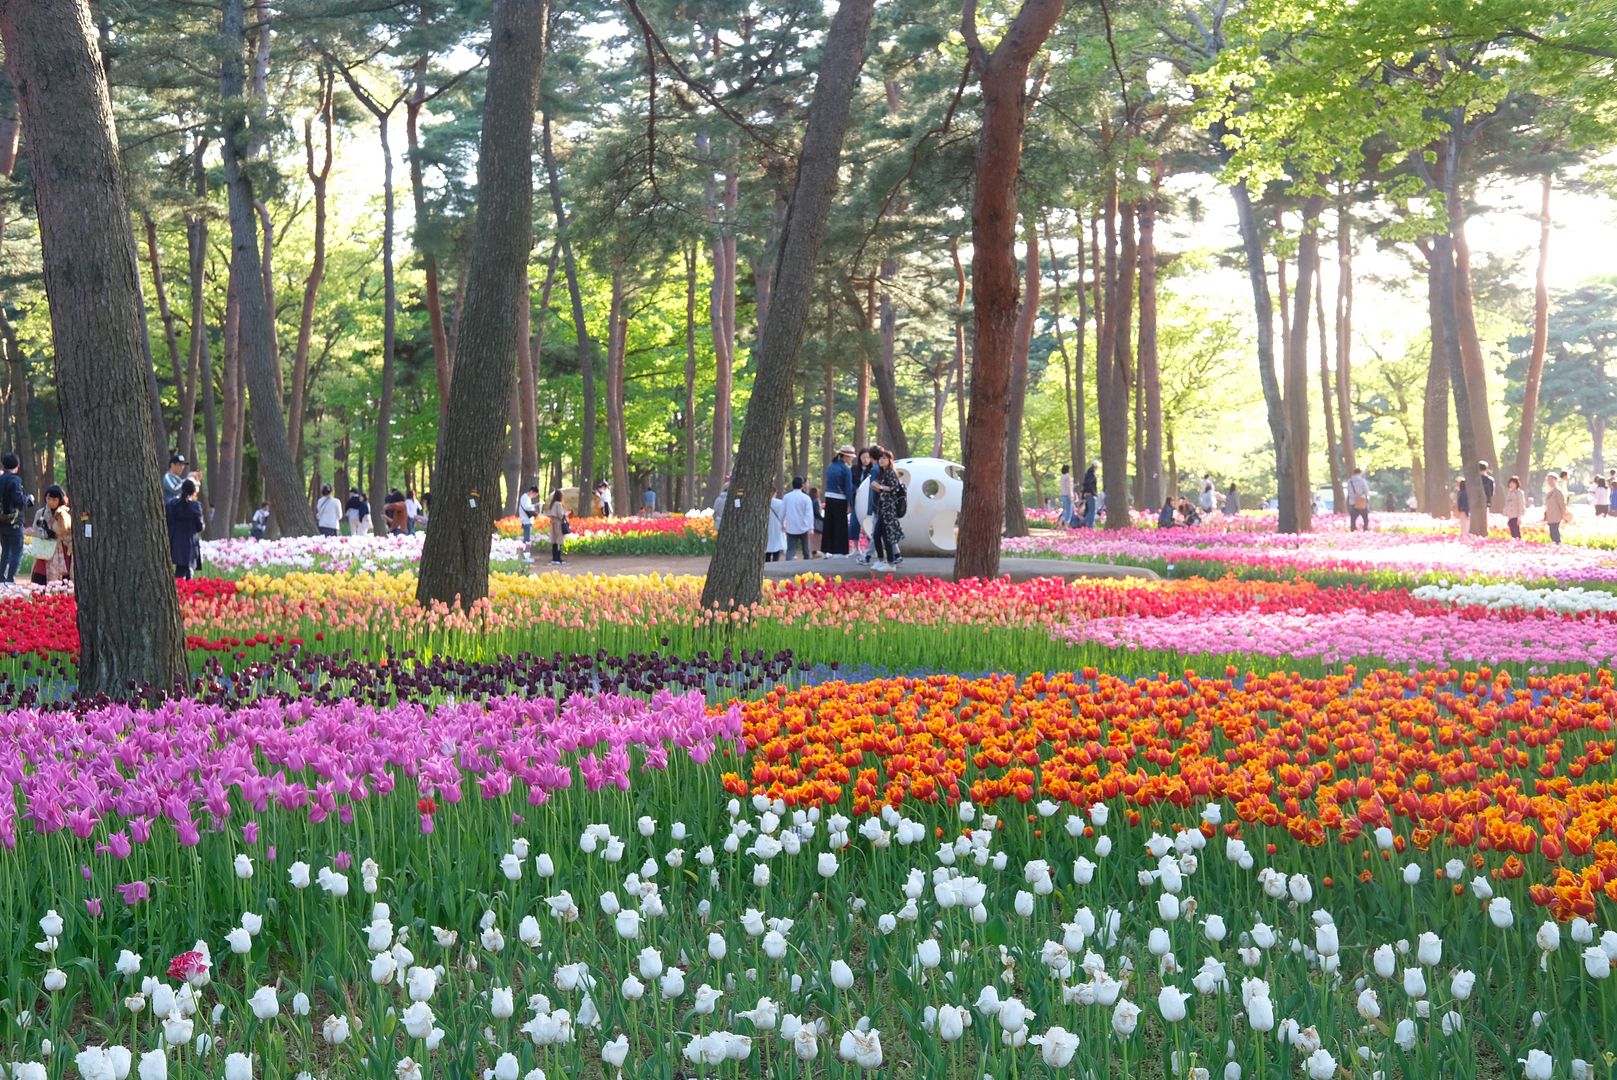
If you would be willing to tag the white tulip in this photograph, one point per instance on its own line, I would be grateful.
(1058, 1046)
(1404, 1035)
(383, 968)
(1596, 963)
(335, 1030)
(862, 1048)
(1429, 950)
(264, 1003)
(1461, 985)
(952, 1022)
(153, 1066)
(1320, 1065)
(631, 989)
(298, 874)
(1369, 1007)
(616, 1052)
(1537, 1065)
(238, 1067)
(244, 867)
(1499, 912)
(1415, 982)
(1548, 937)
(501, 1002)
(1013, 1015)
(1171, 1003)
(1214, 928)
(827, 865)
(417, 1019)
(1125, 1017)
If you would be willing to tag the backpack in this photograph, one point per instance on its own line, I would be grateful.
(901, 500)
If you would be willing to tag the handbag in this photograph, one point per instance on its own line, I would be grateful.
(39, 547)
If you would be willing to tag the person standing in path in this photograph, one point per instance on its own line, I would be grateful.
(260, 524)
(556, 512)
(1232, 502)
(1515, 506)
(1462, 505)
(603, 493)
(888, 492)
(1554, 507)
(13, 504)
(798, 520)
(839, 491)
(174, 477)
(1599, 497)
(527, 510)
(1066, 496)
(393, 512)
(412, 511)
(1358, 499)
(1485, 476)
(327, 512)
(776, 546)
(53, 525)
(1090, 493)
(1209, 496)
(817, 540)
(184, 515)
(648, 501)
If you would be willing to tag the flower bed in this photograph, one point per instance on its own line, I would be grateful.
(662, 535)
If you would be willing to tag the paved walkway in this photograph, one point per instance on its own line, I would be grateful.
(1015, 568)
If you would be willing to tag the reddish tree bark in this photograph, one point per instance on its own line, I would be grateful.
(1015, 511)
(318, 176)
(1541, 332)
(1002, 75)
(130, 632)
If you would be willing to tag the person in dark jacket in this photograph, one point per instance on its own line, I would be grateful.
(1165, 518)
(184, 515)
(1090, 495)
(839, 492)
(13, 505)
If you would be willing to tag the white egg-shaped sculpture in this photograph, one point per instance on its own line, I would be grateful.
(933, 488)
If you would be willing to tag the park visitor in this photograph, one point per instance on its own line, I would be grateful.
(260, 524)
(888, 492)
(776, 546)
(719, 502)
(839, 492)
(1187, 513)
(556, 511)
(1208, 497)
(13, 504)
(52, 543)
(1486, 475)
(648, 501)
(1232, 501)
(1462, 504)
(603, 492)
(174, 477)
(817, 539)
(1090, 494)
(527, 510)
(1554, 507)
(862, 471)
(1165, 516)
(1066, 495)
(1599, 498)
(393, 513)
(327, 512)
(1515, 505)
(359, 513)
(184, 515)
(798, 520)
(412, 511)
(1358, 499)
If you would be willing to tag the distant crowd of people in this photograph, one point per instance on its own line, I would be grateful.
(805, 522)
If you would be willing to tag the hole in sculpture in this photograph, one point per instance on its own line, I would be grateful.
(932, 489)
(942, 532)
(956, 472)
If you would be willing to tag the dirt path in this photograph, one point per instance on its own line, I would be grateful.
(625, 564)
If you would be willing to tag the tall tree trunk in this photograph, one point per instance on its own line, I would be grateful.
(721, 317)
(586, 348)
(1274, 404)
(1150, 466)
(1296, 377)
(222, 488)
(828, 413)
(282, 481)
(960, 396)
(20, 404)
(130, 633)
(1072, 393)
(529, 343)
(1344, 333)
(861, 405)
(1541, 329)
(1002, 75)
(1015, 511)
(1119, 316)
(454, 560)
(442, 358)
(1471, 361)
(940, 405)
(165, 313)
(1113, 423)
(267, 273)
(1435, 423)
(617, 340)
(1449, 328)
(511, 460)
(318, 176)
(734, 578)
(200, 366)
(687, 433)
(1326, 399)
(890, 431)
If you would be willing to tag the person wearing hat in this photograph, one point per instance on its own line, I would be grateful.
(839, 491)
(174, 477)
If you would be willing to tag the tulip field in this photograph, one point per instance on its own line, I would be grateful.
(1317, 807)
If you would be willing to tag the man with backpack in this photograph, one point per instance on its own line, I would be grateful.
(13, 503)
